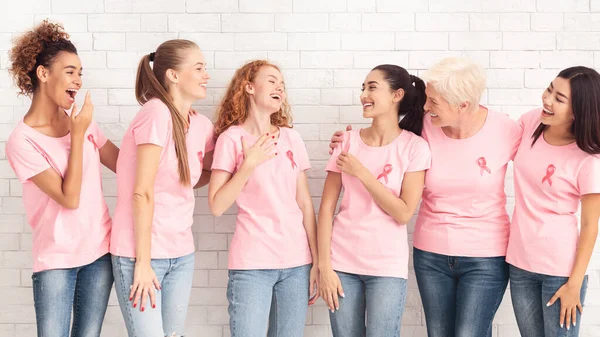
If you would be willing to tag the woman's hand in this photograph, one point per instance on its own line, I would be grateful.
(337, 138)
(313, 291)
(330, 287)
(144, 283)
(258, 153)
(349, 165)
(570, 302)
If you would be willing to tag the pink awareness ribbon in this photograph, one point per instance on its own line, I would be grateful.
(549, 173)
(483, 166)
(91, 139)
(290, 156)
(387, 169)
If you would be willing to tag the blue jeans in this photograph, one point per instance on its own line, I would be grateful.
(273, 299)
(85, 290)
(382, 298)
(529, 293)
(460, 294)
(168, 318)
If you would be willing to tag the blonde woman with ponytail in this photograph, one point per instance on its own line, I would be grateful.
(165, 152)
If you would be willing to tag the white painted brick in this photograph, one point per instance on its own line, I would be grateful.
(211, 41)
(211, 6)
(326, 59)
(564, 59)
(322, 114)
(330, 6)
(5, 187)
(246, 23)
(146, 42)
(529, 41)
(114, 22)
(370, 59)
(368, 41)
(16, 23)
(154, 22)
(158, 6)
(337, 96)
(481, 57)
(110, 78)
(421, 41)
(595, 5)
(93, 60)
(9, 242)
(308, 132)
(210, 242)
(266, 6)
(285, 59)
(11, 205)
(508, 6)
(314, 41)
(349, 78)
(442, 22)
(578, 41)
(301, 22)
(515, 96)
(11, 223)
(123, 59)
(351, 114)
(455, 6)
(304, 96)
(76, 7)
(109, 41)
(378, 22)
(82, 41)
(515, 59)
(73, 23)
(582, 22)
(32, 6)
(402, 6)
(218, 279)
(361, 6)
(475, 41)
(117, 6)
(563, 6)
(547, 22)
(234, 60)
(484, 22)
(539, 78)
(504, 78)
(194, 23)
(260, 41)
(344, 22)
(426, 59)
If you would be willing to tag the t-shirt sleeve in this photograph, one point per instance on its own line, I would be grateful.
(98, 134)
(225, 155)
(344, 146)
(516, 135)
(300, 152)
(152, 124)
(25, 158)
(588, 179)
(420, 157)
(208, 131)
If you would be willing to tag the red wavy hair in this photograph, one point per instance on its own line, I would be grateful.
(235, 105)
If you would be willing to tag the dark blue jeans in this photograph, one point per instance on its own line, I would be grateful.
(530, 292)
(460, 295)
(84, 290)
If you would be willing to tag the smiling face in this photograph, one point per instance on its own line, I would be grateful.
(377, 98)
(62, 80)
(267, 89)
(192, 76)
(441, 111)
(556, 100)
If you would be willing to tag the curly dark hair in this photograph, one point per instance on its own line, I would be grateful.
(37, 47)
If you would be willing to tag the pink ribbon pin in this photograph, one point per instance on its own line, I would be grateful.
(387, 169)
(549, 173)
(483, 166)
(91, 139)
(290, 156)
(201, 156)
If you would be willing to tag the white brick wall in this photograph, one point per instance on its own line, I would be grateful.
(325, 47)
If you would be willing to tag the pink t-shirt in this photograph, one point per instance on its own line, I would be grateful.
(365, 239)
(62, 238)
(173, 202)
(463, 212)
(549, 183)
(269, 232)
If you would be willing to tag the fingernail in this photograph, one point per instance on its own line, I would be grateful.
(273, 137)
(561, 325)
(574, 323)
(275, 143)
(548, 304)
(568, 327)
(134, 305)
(142, 309)
(337, 308)
(153, 306)
(332, 311)
(131, 298)
(267, 133)
(276, 153)
(343, 295)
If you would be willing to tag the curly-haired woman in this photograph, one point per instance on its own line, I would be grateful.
(259, 163)
(57, 156)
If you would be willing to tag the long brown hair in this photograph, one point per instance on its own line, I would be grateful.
(151, 83)
(235, 105)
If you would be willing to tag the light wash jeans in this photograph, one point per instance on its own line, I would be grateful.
(168, 318)
(529, 293)
(273, 299)
(382, 298)
(84, 290)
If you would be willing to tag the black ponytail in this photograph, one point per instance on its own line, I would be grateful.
(411, 106)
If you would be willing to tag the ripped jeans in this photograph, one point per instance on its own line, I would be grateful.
(168, 318)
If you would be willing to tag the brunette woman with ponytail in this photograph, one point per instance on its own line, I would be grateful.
(364, 249)
(56, 155)
(165, 154)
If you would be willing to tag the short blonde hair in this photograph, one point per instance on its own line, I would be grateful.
(458, 80)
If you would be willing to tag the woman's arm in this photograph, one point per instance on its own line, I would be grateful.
(206, 170)
(310, 225)
(329, 283)
(108, 156)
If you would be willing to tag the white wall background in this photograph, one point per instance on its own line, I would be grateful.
(325, 48)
